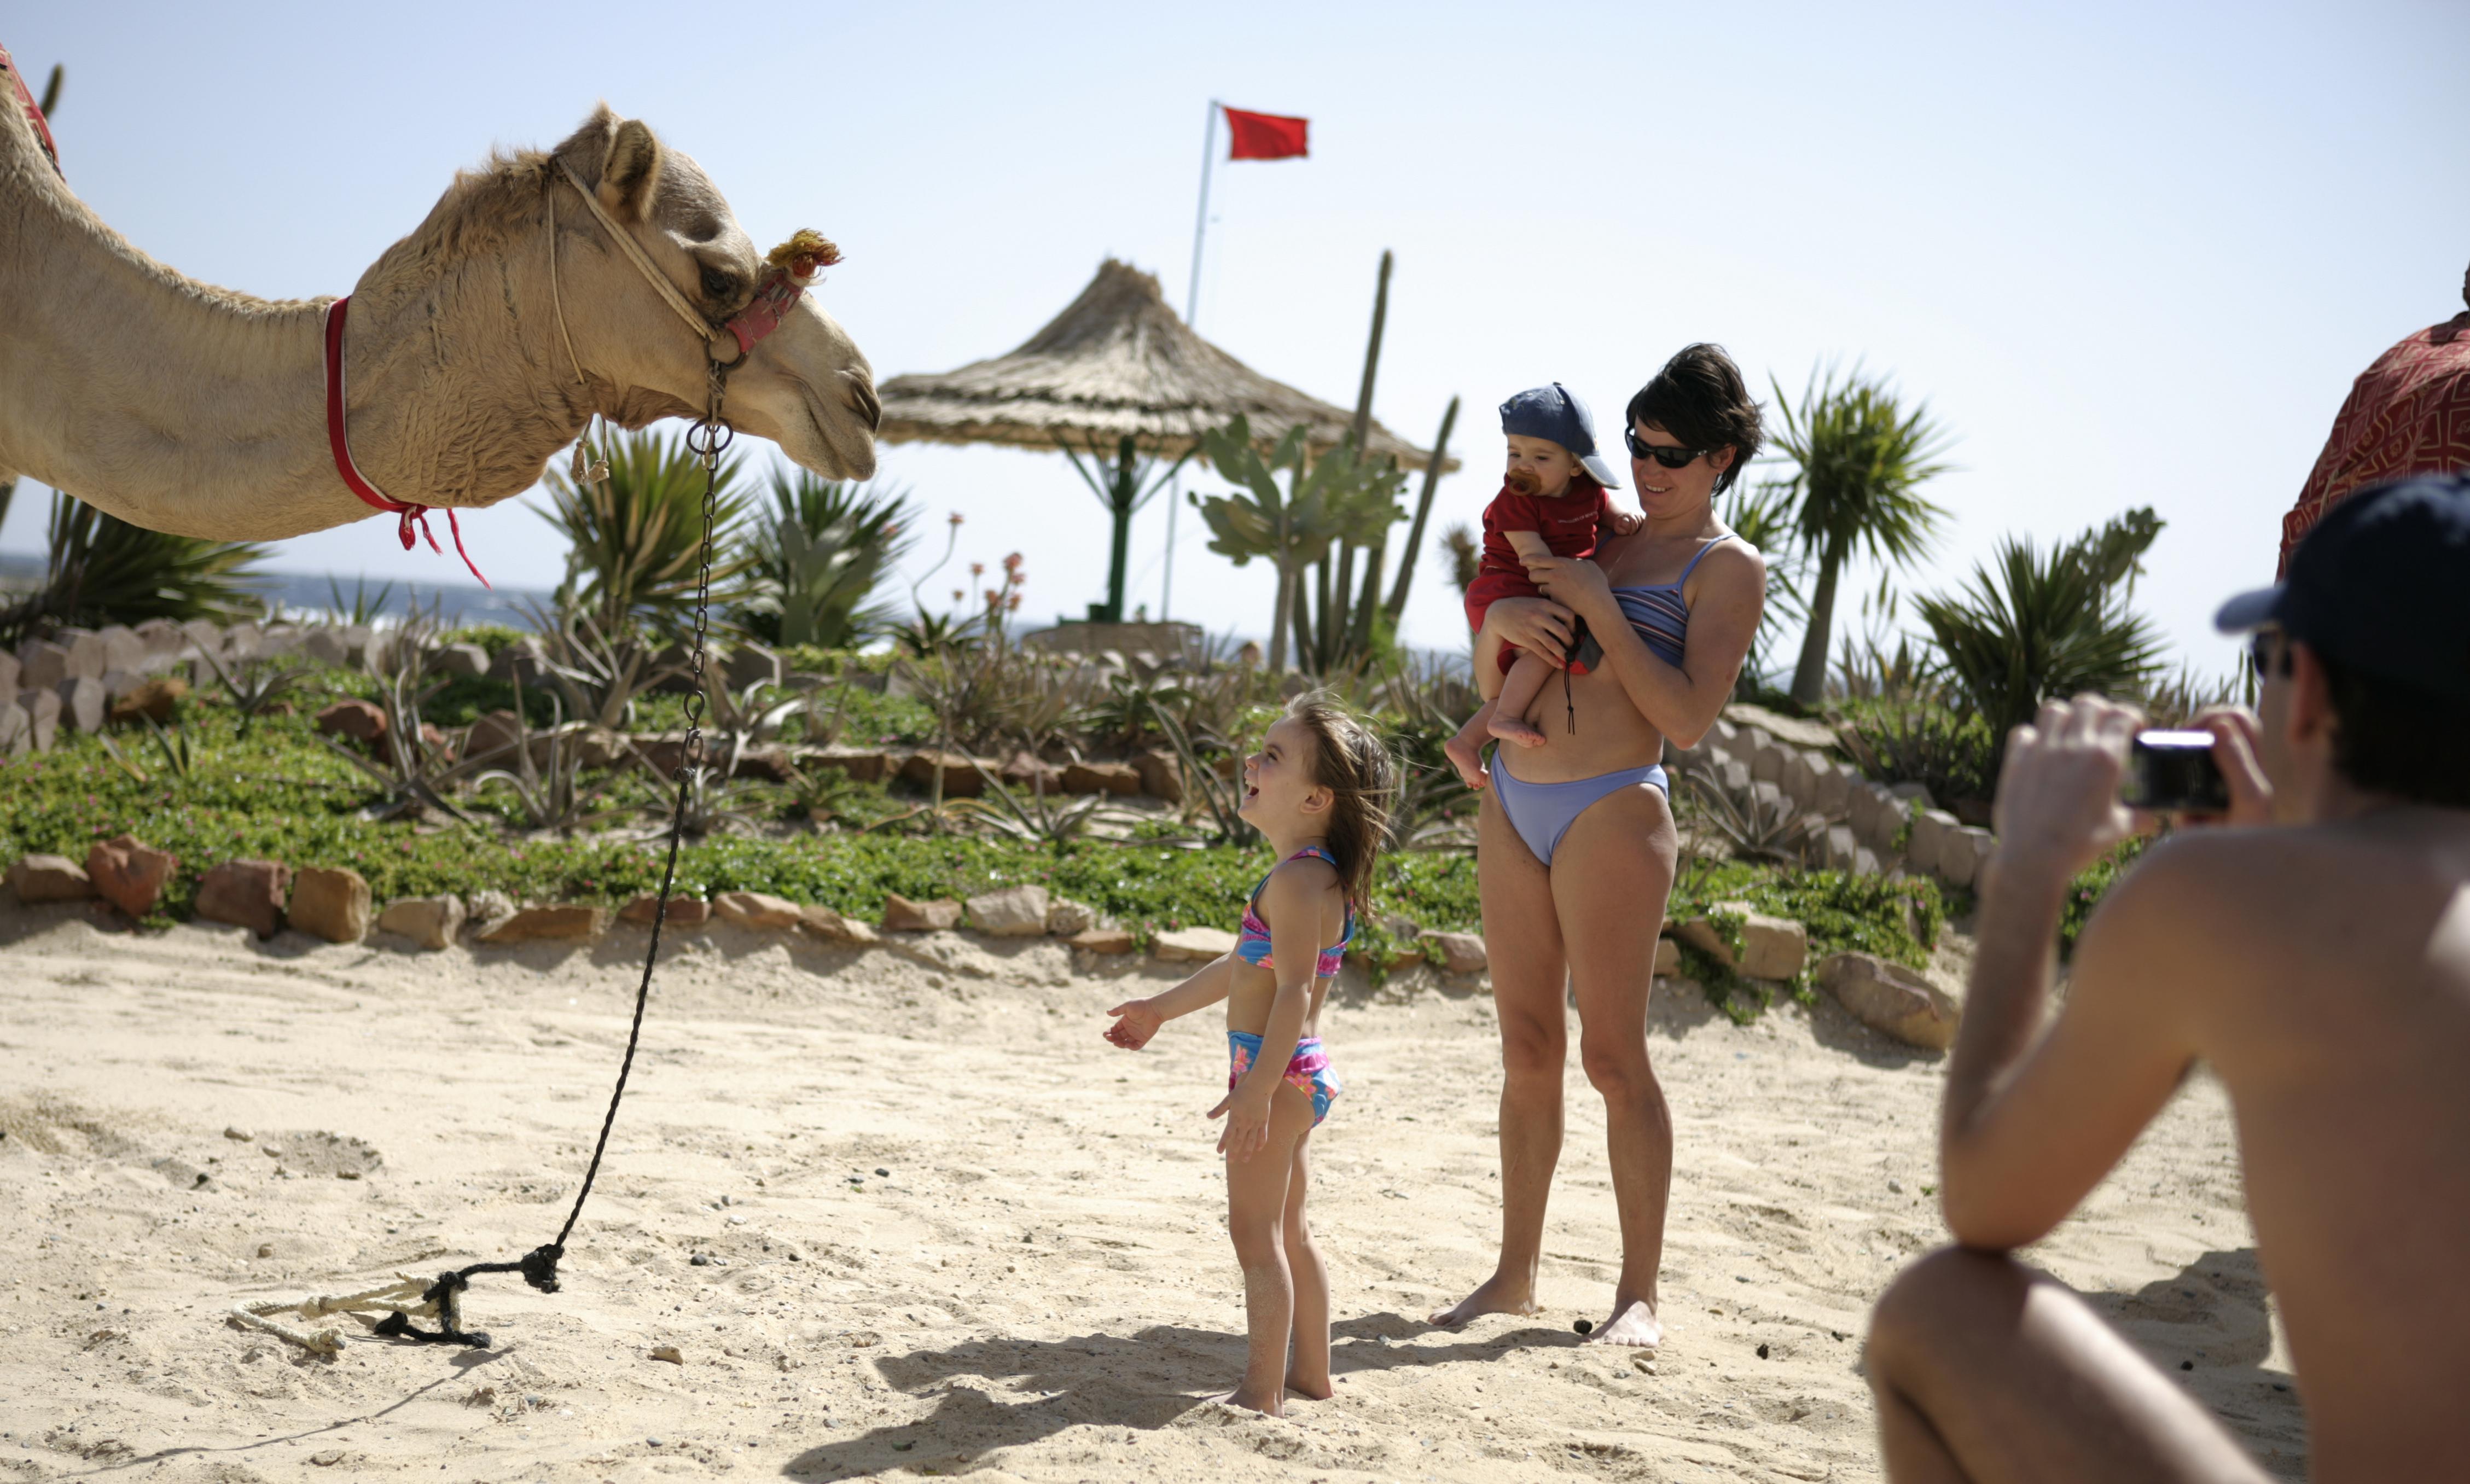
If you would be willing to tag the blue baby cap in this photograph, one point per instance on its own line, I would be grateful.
(1560, 414)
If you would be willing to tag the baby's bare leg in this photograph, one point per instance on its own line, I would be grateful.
(1518, 692)
(1308, 1368)
(1256, 1212)
(1465, 750)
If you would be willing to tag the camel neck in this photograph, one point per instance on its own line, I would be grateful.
(194, 409)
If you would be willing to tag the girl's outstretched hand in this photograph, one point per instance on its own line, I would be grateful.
(1136, 1022)
(1248, 1123)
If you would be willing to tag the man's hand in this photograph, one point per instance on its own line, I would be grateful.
(2235, 730)
(2057, 793)
(1136, 1022)
(1247, 1120)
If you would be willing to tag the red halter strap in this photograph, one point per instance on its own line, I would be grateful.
(34, 112)
(352, 480)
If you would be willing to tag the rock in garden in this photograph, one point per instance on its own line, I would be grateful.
(1193, 944)
(1460, 953)
(1065, 919)
(1028, 772)
(1102, 777)
(1667, 955)
(129, 873)
(756, 910)
(1405, 958)
(901, 915)
(331, 903)
(42, 723)
(1834, 786)
(1961, 854)
(156, 696)
(464, 661)
(684, 912)
(961, 778)
(360, 720)
(492, 739)
(1931, 828)
(1161, 774)
(49, 878)
(1891, 997)
(327, 647)
(489, 906)
(431, 921)
(825, 923)
(8, 672)
(1014, 912)
(83, 702)
(16, 728)
(88, 657)
(1771, 947)
(539, 925)
(249, 894)
(42, 664)
(1104, 940)
(862, 764)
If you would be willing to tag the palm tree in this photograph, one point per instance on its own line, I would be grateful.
(1861, 460)
(636, 537)
(815, 557)
(104, 570)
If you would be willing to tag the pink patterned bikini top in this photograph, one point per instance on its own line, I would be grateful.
(1252, 938)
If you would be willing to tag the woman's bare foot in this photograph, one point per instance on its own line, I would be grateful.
(1499, 1294)
(1518, 729)
(1466, 756)
(1309, 1388)
(1634, 1325)
(1267, 1406)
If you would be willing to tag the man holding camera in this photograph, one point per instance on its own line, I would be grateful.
(2315, 955)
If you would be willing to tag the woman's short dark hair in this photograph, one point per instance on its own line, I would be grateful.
(2391, 738)
(1700, 399)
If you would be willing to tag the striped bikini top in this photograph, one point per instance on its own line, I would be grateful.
(1656, 611)
(1252, 939)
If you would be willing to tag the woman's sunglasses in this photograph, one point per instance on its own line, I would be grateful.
(1669, 458)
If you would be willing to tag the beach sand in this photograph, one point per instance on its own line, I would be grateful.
(946, 1229)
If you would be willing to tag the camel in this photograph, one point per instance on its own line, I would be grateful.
(189, 409)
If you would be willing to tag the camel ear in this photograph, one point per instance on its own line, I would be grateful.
(631, 172)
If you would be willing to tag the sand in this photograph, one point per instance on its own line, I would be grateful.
(945, 1229)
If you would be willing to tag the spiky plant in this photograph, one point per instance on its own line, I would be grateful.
(104, 570)
(813, 554)
(635, 539)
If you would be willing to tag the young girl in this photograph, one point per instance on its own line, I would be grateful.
(1320, 790)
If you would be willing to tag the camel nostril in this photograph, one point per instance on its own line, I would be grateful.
(863, 398)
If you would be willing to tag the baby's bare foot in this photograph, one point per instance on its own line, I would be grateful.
(1498, 1295)
(1512, 728)
(1468, 759)
(1634, 1325)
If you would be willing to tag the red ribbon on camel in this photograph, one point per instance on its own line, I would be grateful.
(352, 480)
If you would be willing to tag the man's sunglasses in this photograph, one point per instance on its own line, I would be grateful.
(1669, 458)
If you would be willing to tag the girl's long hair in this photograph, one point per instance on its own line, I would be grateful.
(1350, 761)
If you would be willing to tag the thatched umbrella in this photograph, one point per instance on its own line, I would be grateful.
(1119, 378)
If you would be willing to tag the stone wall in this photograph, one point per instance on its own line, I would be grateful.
(1840, 820)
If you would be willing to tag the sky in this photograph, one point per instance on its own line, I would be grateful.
(2128, 254)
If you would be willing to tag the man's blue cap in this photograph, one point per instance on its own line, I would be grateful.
(2380, 586)
(1560, 414)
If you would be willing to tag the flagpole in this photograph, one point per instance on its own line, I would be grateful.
(1191, 307)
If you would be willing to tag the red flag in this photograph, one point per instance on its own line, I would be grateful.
(1265, 136)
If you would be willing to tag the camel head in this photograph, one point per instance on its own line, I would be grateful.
(805, 385)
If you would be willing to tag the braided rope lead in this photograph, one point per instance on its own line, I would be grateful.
(706, 440)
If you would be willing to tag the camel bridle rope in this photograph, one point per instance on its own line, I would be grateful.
(793, 269)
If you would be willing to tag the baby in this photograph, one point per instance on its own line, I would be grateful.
(1553, 503)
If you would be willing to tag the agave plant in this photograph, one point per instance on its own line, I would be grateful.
(1033, 815)
(814, 556)
(414, 772)
(2037, 624)
(104, 571)
(635, 539)
(253, 685)
(597, 671)
(548, 790)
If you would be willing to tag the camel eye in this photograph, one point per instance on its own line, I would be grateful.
(718, 284)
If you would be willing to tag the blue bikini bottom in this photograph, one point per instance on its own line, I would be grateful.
(1542, 813)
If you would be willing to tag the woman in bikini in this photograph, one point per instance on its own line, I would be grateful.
(1575, 847)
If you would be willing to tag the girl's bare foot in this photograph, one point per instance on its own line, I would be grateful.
(1467, 757)
(1499, 1294)
(1310, 1389)
(1513, 729)
(1267, 1406)
(1633, 1325)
